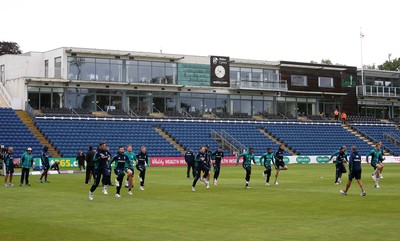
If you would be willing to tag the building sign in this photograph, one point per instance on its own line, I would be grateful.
(219, 71)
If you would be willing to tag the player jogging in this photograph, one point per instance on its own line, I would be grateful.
(101, 159)
(45, 163)
(248, 157)
(375, 156)
(129, 168)
(266, 160)
(9, 163)
(120, 162)
(341, 158)
(216, 158)
(279, 163)
(354, 171)
(141, 162)
(199, 165)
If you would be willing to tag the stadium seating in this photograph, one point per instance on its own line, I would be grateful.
(318, 139)
(375, 133)
(15, 133)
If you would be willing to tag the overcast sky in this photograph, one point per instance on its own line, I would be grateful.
(290, 30)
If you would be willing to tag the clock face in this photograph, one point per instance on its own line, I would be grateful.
(220, 71)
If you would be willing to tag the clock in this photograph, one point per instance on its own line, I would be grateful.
(220, 71)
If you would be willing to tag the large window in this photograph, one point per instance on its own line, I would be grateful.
(326, 82)
(132, 74)
(46, 68)
(57, 67)
(2, 73)
(298, 80)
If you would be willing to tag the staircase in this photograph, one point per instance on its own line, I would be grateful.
(366, 139)
(277, 142)
(35, 131)
(170, 140)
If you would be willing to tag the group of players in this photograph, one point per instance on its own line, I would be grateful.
(340, 158)
(26, 162)
(201, 163)
(125, 161)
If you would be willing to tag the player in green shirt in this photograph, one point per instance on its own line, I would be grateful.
(129, 168)
(248, 157)
(376, 156)
(266, 160)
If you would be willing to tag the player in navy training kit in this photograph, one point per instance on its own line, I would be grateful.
(119, 169)
(341, 158)
(9, 164)
(199, 165)
(216, 158)
(46, 164)
(354, 171)
(189, 159)
(142, 161)
(279, 163)
(101, 158)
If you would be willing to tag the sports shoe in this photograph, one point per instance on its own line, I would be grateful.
(380, 176)
(141, 188)
(264, 175)
(21, 184)
(28, 185)
(130, 193)
(126, 183)
(5, 184)
(373, 177)
(247, 187)
(40, 180)
(10, 185)
(276, 183)
(267, 184)
(46, 181)
(116, 182)
(208, 185)
(117, 195)
(343, 192)
(363, 194)
(215, 182)
(201, 180)
(90, 196)
(193, 189)
(140, 179)
(105, 190)
(377, 186)
(337, 183)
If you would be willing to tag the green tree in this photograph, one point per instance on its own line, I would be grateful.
(9, 48)
(390, 64)
(326, 61)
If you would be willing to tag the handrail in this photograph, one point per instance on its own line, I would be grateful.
(31, 112)
(186, 113)
(5, 94)
(392, 137)
(132, 113)
(228, 141)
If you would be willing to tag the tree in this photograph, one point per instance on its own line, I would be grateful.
(326, 61)
(9, 48)
(372, 66)
(393, 65)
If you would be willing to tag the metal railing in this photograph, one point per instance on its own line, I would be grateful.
(280, 85)
(31, 112)
(5, 95)
(392, 137)
(228, 141)
(379, 91)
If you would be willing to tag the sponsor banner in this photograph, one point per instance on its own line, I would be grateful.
(64, 162)
(231, 160)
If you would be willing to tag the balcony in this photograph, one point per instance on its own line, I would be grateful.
(280, 85)
(378, 91)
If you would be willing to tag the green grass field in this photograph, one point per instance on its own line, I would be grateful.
(303, 207)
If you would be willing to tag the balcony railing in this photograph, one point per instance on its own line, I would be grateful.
(378, 91)
(261, 85)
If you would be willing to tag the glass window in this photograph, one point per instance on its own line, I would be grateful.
(116, 71)
(103, 69)
(170, 75)
(88, 67)
(209, 106)
(57, 67)
(116, 101)
(235, 106)
(245, 74)
(298, 80)
(158, 73)
(80, 98)
(170, 104)
(326, 82)
(194, 74)
(185, 104)
(145, 104)
(132, 71)
(75, 66)
(257, 107)
(196, 106)
(245, 107)
(257, 75)
(268, 107)
(33, 99)
(144, 72)
(234, 74)
(221, 106)
(46, 68)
